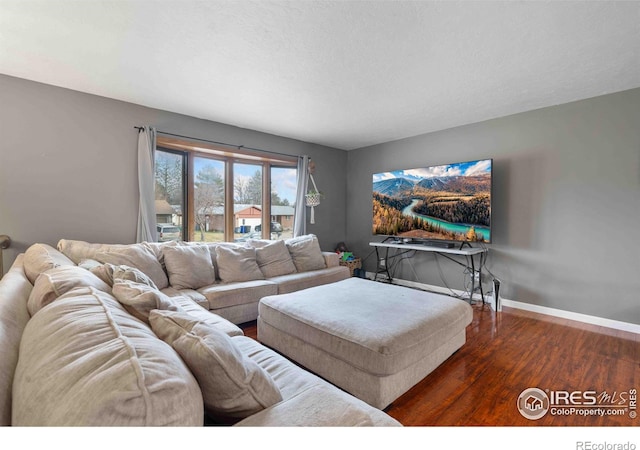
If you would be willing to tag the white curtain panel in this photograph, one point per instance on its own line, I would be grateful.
(146, 183)
(300, 219)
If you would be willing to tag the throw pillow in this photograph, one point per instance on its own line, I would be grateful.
(140, 257)
(306, 253)
(102, 271)
(156, 249)
(212, 246)
(258, 243)
(127, 273)
(56, 282)
(108, 273)
(139, 299)
(41, 257)
(189, 267)
(237, 264)
(274, 259)
(233, 386)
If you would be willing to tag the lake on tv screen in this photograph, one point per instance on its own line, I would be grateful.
(450, 202)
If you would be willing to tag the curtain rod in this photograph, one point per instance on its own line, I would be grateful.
(239, 147)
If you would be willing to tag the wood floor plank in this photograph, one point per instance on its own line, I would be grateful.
(511, 351)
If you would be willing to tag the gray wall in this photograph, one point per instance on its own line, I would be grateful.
(68, 165)
(566, 194)
(566, 206)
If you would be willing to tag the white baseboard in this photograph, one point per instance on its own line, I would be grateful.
(578, 317)
(585, 318)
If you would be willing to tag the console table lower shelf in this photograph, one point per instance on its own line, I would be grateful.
(467, 255)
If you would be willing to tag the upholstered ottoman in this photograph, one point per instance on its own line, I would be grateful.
(373, 340)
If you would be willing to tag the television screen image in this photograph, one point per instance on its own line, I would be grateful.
(450, 202)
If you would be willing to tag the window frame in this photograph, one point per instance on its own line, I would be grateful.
(184, 207)
(190, 149)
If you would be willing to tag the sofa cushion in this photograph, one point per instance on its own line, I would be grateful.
(14, 292)
(85, 361)
(317, 406)
(303, 280)
(237, 263)
(139, 299)
(189, 267)
(331, 259)
(306, 253)
(233, 294)
(78, 251)
(56, 282)
(41, 257)
(274, 259)
(190, 293)
(232, 385)
(188, 305)
(246, 312)
(307, 399)
(140, 257)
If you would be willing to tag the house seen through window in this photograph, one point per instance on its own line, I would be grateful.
(209, 194)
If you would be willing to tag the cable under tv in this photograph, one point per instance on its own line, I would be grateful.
(439, 244)
(426, 243)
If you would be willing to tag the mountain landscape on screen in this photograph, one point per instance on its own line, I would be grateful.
(447, 202)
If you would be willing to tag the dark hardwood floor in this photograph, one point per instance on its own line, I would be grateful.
(511, 351)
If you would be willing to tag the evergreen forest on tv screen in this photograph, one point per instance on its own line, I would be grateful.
(448, 202)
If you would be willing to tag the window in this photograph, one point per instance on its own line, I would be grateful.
(283, 199)
(247, 201)
(215, 195)
(208, 200)
(170, 181)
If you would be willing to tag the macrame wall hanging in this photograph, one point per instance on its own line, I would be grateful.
(313, 195)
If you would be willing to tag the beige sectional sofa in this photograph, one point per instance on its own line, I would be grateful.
(96, 335)
(225, 278)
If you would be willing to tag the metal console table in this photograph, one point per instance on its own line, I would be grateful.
(382, 254)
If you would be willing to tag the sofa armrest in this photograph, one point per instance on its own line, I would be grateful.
(331, 259)
(319, 406)
(15, 289)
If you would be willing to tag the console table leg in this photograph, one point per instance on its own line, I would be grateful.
(480, 276)
(386, 265)
(375, 277)
(473, 279)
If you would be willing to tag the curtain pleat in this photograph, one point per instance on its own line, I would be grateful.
(146, 185)
(300, 218)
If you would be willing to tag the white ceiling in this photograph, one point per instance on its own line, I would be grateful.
(345, 74)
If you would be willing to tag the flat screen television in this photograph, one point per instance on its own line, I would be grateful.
(451, 202)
